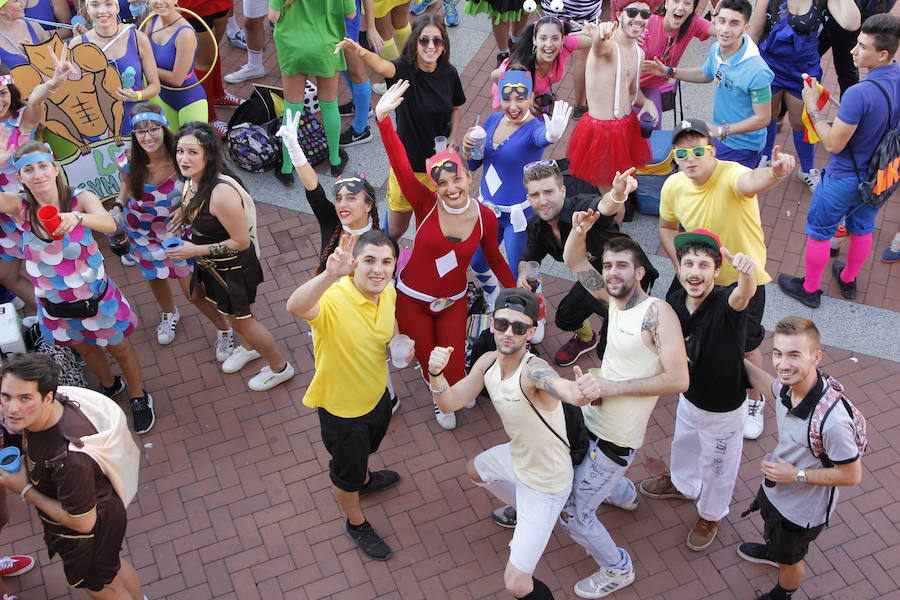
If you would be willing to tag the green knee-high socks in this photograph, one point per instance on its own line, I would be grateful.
(332, 120)
(286, 165)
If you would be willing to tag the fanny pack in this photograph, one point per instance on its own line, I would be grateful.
(79, 309)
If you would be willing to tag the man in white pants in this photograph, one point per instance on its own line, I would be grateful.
(533, 471)
(706, 448)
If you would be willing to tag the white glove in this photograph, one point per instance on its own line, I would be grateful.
(556, 125)
(288, 134)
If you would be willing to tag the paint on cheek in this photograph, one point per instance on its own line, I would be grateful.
(29, 409)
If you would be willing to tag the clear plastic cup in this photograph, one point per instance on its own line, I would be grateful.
(440, 144)
(479, 139)
(400, 346)
(533, 274)
(769, 458)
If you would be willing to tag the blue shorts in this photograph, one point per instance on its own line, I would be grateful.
(748, 158)
(836, 198)
(353, 24)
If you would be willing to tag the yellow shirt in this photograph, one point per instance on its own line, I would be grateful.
(720, 207)
(350, 337)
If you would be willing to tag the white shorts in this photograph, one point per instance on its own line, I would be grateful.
(254, 9)
(536, 512)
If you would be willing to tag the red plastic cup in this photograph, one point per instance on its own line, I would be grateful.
(50, 219)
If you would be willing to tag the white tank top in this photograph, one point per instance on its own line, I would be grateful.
(622, 420)
(539, 458)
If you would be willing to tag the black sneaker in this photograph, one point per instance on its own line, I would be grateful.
(395, 404)
(756, 553)
(142, 413)
(793, 287)
(338, 169)
(848, 290)
(114, 390)
(505, 516)
(378, 481)
(349, 109)
(286, 179)
(579, 112)
(501, 56)
(351, 138)
(368, 541)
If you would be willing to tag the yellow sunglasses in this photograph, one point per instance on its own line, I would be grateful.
(698, 151)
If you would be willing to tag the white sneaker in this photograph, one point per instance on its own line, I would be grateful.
(763, 162)
(379, 88)
(245, 73)
(604, 582)
(445, 420)
(538, 336)
(628, 505)
(471, 404)
(18, 303)
(127, 261)
(753, 417)
(811, 178)
(165, 331)
(266, 379)
(224, 344)
(240, 356)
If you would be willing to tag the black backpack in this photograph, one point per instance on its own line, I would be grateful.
(883, 174)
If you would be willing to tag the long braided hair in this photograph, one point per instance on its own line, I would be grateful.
(369, 193)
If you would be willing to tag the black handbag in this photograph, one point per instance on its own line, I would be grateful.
(80, 309)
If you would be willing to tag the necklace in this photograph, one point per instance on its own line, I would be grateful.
(359, 231)
(192, 186)
(107, 37)
(456, 211)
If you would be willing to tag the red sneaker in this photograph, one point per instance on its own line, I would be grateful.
(10, 566)
(220, 128)
(571, 350)
(228, 99)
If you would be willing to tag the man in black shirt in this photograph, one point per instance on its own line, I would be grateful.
(706, 447)
(548, 229)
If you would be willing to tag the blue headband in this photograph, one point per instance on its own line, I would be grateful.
(515, 79)
(149, 116)
(32, 157)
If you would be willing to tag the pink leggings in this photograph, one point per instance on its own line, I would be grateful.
(429, 329)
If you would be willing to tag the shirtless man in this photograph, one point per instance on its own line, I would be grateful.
(608, 139)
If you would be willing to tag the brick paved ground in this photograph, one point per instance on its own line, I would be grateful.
(235, 501)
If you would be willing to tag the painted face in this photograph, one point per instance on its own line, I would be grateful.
(149, 134)
(14, 9)
(22, 403)
(516, 105)
(794, 357)
(5, 101)
(352, 208)
(546, 197)
(633, 19)
(548, 41)
(865, 54)
(374, 269)
(39, 176)
(696, 167)
(103, 12)
(678, 11)
(697, 273)
(620, 276)
(730, 28)
(430, 45)
(508, 341)
(190, 156)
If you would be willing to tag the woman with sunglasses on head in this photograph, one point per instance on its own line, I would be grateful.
(16, 33)
(450, 227)
(128, 50)
(151, 193)
(79, 305)
(669, 31)
(430, 107)
(224, 248)
(514, 139)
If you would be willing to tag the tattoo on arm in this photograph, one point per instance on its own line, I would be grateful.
(590, 279)
(543, 377)
(651, 324)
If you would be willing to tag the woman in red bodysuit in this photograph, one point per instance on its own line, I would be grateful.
(431, 306)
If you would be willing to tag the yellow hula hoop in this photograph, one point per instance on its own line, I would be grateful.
(208, 29)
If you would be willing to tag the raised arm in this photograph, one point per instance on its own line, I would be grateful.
(613, 200)
(758, 21)
(288, 134)
(762, 179)
(304, 302)
(452, 398)
(383, 67)
(34, 110)
(538, 375)
(575, 254)
(601, 36)
(740, 296)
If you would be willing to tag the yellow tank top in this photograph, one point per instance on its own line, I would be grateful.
(622, 420)
(540, 459)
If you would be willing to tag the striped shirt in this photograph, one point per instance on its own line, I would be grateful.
(576, 10)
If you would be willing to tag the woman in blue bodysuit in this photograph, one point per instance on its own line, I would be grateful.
(126, 49)
(54, 11)
(515, 137)
(787, 36)
(174, 44)
(14, 33)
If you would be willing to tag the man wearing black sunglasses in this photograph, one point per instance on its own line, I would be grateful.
(533, 471)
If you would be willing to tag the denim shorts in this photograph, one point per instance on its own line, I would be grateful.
(836, 198)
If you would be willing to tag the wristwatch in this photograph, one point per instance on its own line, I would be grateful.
(801, 476)
(78, 216)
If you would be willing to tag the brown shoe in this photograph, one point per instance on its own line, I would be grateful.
(661, 486)
(702, 535)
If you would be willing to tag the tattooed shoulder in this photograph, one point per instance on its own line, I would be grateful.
(650, 324)
(590, 279)
(543, 376)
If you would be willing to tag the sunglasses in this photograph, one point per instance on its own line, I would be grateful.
(633, 12)
(437, 41)
(539, 163)
(698, 151)
(518, 327)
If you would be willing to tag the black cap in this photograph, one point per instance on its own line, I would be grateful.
(690, 125)
(519, 299)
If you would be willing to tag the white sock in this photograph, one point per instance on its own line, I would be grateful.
(232, 26)
(254, 58)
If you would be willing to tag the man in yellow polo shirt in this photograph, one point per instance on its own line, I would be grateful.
(720, 195)
(350, 308)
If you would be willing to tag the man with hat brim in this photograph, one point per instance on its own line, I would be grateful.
(706, 447)
(533, 471)
(721, 196)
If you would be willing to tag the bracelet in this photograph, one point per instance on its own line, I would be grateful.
(25, 491)
(440, 391)
(438, 374)
(776, 175)
(221, 251)
(140, 94)
(613, 198)
(669, 72)
(723, 132)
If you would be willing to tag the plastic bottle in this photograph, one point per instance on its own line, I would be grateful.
(837, 240)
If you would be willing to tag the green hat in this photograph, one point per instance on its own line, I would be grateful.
(701, 236)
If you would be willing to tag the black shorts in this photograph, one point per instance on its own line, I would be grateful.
(788, 542)
(208, 19)
(351, 441)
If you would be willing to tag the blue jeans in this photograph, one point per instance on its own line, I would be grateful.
(597, 478)
(748, 158)
(836, 198)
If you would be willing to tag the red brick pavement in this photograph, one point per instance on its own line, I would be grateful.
(234, 501)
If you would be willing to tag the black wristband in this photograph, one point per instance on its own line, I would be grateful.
(435, 374)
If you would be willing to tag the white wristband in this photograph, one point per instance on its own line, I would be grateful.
(25, 491)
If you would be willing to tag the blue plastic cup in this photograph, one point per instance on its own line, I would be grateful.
(10, 459)
(172, 243)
